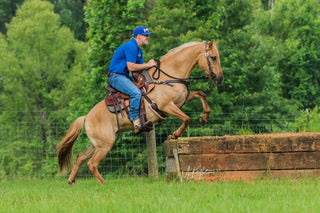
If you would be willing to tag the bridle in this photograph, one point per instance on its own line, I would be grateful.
(186, 81)
(211, 73)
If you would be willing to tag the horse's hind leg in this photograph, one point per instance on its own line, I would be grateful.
(94, 162)
(100, 128)
(82, 157)
(206, 110)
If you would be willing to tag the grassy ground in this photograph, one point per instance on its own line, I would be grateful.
(146, 195)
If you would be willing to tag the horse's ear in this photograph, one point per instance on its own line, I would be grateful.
(216, 43)
(210, 44)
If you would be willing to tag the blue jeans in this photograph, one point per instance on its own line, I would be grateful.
(124, 84)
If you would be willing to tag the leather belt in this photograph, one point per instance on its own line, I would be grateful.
(111, 74)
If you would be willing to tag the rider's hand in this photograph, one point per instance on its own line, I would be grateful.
(152, 63)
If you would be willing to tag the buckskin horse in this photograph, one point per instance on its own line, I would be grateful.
(169, 95)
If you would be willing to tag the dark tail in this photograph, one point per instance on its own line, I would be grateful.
(64, 148)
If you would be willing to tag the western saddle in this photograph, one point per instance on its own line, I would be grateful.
(118, 102)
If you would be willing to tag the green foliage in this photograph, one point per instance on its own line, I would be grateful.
(41, 52)
(41, 71)
(309, 120)
(7, 11)
(72, 16)
(296, 25)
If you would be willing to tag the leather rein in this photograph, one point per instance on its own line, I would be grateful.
(185, 81)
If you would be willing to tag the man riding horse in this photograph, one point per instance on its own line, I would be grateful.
(102, 125)
(129, 57)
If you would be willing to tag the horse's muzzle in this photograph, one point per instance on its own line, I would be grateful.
(218, 80)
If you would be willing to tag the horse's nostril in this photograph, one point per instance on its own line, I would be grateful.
(218, 81)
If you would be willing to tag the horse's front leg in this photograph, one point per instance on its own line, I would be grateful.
(206, 110)
(173, 110)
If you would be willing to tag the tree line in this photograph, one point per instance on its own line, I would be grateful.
(55, 55)
(269, 50)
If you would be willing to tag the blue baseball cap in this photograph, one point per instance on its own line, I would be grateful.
(141, 30)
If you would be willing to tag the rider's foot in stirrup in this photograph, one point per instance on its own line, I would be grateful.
(137, 125)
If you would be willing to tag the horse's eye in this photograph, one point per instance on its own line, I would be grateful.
(213, 57)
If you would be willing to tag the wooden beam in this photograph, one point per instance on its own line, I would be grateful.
(251, 161)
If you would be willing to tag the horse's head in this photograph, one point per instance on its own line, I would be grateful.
(209, 61)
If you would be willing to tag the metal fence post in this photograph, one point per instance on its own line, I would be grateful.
(308, 119)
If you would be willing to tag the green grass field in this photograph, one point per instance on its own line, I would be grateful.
(147, 195)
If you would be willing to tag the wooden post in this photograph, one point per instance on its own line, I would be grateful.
(152, 154)
(175, 154)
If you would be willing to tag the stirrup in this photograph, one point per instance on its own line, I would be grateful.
(142, 128)
(136, 125)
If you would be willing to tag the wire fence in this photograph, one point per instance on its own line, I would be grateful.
(27, 142)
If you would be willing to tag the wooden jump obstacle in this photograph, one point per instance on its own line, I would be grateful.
(245, 157)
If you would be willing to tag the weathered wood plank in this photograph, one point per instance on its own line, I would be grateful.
(251, 161)
(298, 142)
(247, 156)
(248, 175)
(169, 145)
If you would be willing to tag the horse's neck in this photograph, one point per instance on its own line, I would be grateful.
(181, 63)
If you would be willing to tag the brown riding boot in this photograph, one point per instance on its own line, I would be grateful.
(137, 125)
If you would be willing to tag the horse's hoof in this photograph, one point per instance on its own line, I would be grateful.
(70, 182)
(202, 121)
(171, 137)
